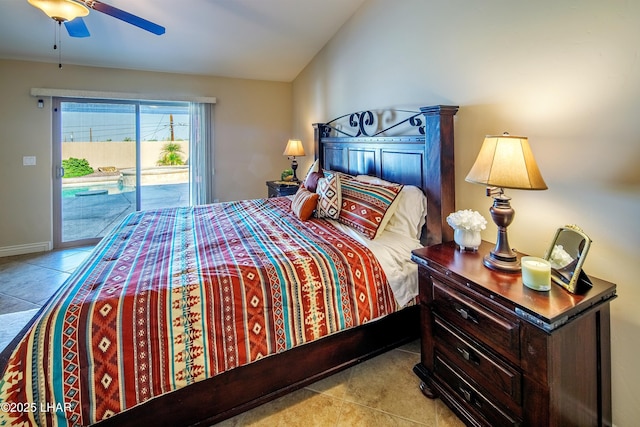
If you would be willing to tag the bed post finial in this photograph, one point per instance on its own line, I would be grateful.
(318, 131)
(439, 171)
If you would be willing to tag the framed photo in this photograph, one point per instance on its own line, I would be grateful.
(567, 254)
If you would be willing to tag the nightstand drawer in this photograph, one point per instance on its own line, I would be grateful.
(477, 320)
(476, 401)
(498, 378)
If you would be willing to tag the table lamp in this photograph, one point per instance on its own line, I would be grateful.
(294, 148)
(505, 161)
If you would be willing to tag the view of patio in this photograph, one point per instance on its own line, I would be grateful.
(116, 161)
(92, 204)
(92, 213)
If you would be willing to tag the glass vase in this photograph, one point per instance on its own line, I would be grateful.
(467, 240)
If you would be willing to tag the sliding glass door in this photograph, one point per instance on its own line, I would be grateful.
(114, 157)
(164, 155)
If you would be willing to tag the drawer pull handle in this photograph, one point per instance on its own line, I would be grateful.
(468, 355)
(465, 314)
(468, 396)
(465, 354)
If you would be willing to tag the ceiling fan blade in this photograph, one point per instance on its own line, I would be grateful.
(77, 28)
(126, 17)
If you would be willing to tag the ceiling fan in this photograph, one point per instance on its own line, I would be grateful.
(70, 12)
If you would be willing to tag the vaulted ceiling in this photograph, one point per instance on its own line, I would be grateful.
(253, 39)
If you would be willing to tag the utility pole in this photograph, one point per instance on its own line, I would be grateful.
(171, 126)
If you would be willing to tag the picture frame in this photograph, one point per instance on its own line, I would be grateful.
(567, 254)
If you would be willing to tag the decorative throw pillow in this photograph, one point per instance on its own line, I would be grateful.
(364, 206)
(311, 182)
(408, 211)
(329, 200)
(304, 203)
(341, 175)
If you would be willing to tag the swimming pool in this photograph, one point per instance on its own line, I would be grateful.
(97, 188)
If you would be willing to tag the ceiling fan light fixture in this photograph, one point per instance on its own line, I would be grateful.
(61, 10)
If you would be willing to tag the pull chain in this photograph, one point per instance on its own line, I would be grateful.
(57, 43)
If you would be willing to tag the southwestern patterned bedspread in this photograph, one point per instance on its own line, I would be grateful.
(174, 296)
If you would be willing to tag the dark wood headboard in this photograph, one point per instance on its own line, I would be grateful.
(408, 147)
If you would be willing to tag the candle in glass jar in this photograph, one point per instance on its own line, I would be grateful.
(536, 273)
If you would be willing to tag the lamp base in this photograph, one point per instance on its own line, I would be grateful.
(495, 262)
(294, 167)
(502, 257)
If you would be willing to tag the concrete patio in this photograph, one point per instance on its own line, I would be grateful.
(92, 216)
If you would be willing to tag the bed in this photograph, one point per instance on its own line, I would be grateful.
(287, 312)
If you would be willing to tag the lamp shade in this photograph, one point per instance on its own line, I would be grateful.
(294, 148)
(506, 161)
(61, 10)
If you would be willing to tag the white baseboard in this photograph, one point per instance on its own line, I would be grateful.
(25, 249)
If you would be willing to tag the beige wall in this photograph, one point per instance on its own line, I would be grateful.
(565, 74)
(252, 121)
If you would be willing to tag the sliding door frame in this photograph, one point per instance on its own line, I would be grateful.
(58, 172)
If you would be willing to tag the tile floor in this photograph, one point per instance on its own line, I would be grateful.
(27, 281)
(382, 391)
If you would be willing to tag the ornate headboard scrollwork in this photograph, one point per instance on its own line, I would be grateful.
(409, 147)
(374, 123)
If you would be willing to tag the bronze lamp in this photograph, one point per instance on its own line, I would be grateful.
(505, 161)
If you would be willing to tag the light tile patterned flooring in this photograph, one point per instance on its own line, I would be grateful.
(382, 391)
(27, 281)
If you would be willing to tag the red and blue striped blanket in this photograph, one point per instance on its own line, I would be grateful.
(171, 297)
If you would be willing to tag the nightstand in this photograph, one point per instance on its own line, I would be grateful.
(500, 354)
(282, 188)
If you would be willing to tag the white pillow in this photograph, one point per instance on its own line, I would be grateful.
(409, 217)
(374, 180)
